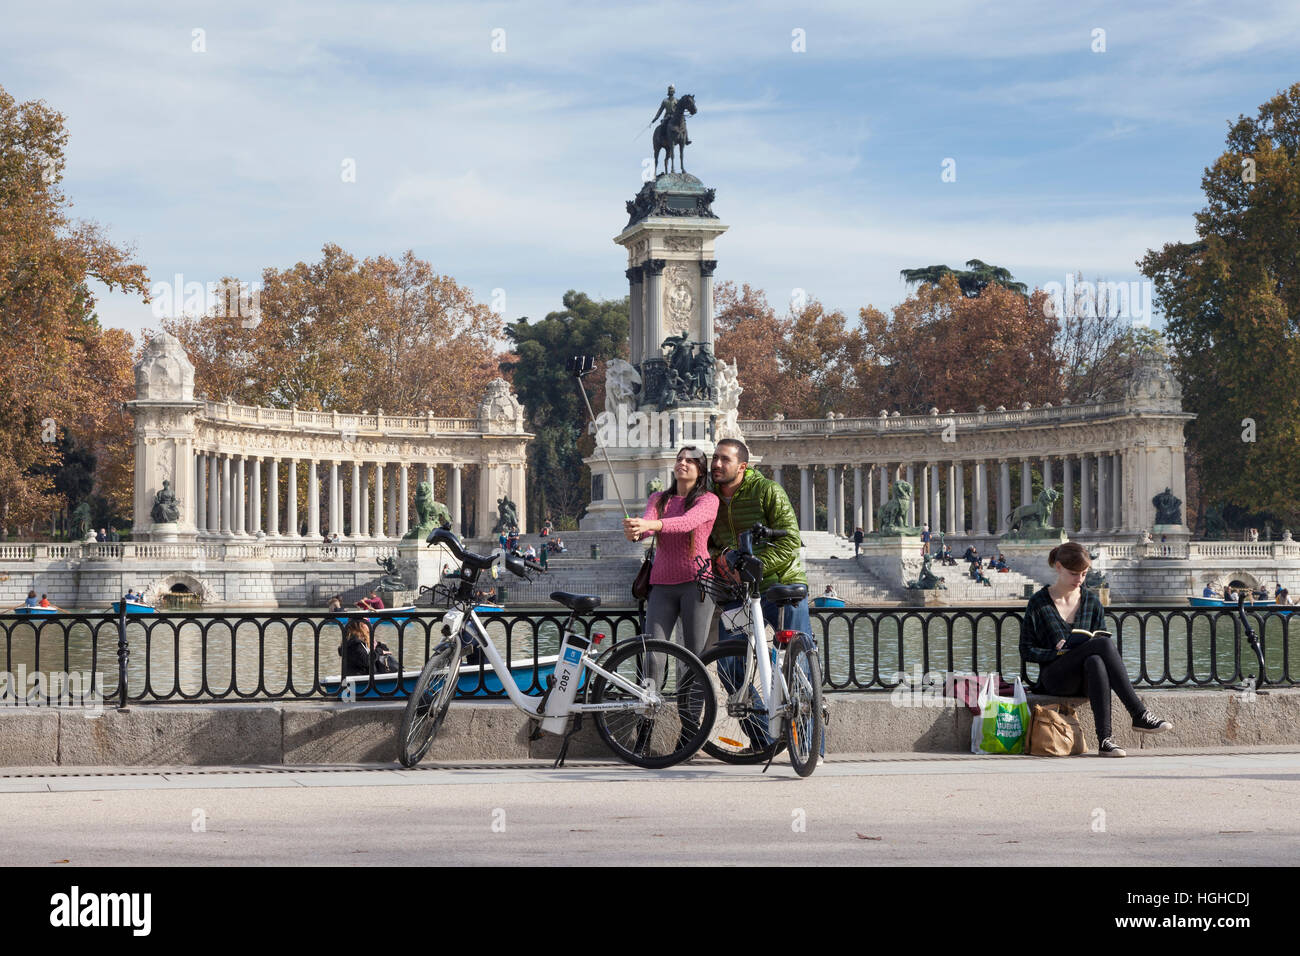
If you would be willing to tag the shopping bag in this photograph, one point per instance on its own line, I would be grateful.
(1055, 731)
(1002, 723)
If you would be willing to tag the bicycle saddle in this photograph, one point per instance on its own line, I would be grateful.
(576, 602)
(785, 593)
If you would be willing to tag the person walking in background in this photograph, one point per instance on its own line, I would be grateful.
(681, 518)
(857, 540)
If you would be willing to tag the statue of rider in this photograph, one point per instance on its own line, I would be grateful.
(667, 109)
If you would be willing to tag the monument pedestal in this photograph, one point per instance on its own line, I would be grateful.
(1028, 556)
(420, 566)
(167, 532)
(895, 559)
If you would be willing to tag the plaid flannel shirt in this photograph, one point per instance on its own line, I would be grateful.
(1043, 627)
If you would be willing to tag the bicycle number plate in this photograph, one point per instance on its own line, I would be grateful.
(737, 619)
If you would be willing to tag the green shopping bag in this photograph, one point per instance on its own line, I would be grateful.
(1002, 724)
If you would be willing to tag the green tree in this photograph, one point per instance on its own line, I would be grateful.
(974, 279)
(559, 482)
(1232, 304)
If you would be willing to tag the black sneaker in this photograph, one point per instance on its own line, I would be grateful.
(1149, 723)
(1108, 748)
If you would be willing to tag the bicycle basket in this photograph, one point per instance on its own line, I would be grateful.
(719, 589)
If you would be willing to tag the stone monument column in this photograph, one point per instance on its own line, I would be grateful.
(959, 481)
(240, 524)
(635, 285)
(165, 414)
(404, 518)
(1067, 496)
(273, 500)
(869, 512)
(255, 496)
(313, 500)
(291, 518)
(378, 530)
(453, 499)
(857, 496)
(356, 500)
(1085, 496)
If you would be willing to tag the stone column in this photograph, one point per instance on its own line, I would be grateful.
(959, 481)
(936, 511)
(335, 503)
(1026, 482)
(911, 505)
(1004, 494)
(390, 527)
(378, 530)
(404, 496)
(884, 484)
(1067, 496)
(255, 498)
(635, 318)
(1117, 490)
(707, 267)
(922, 495)
(979, 499)
(869, 517)
(453, 500)
(240, 525)
(365, 501)
(273, 500)
(1085, 496)
(653, 270)
(950, 516)
(1103, 499)
(832, 500)
(226, 496)
(313, 500)
(200, 492)
(214, 492)
(776, 476)
(1047, 483)
(804, 487)
(356, 500)
(291, 519)
(857, 497)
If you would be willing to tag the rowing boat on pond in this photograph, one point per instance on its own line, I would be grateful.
(468, 680)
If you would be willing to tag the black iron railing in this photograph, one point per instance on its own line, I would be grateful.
(247, 656)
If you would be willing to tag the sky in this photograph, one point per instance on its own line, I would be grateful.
(499, 141)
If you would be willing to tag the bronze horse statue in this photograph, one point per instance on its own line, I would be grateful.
(669, 134)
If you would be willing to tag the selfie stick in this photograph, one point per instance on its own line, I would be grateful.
(1253, 638)
(579, 366)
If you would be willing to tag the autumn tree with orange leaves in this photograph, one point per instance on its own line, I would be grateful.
(62, 377)
(348, 334)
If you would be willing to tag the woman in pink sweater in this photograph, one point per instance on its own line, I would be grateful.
(681, 518)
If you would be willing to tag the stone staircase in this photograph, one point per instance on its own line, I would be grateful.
(1006, 586)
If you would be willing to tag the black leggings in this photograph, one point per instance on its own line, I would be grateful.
(1095, 668)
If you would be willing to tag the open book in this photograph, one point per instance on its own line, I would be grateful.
(1078, 636)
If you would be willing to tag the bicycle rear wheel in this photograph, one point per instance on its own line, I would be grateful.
(804, 727)
(428, 704)
(738, 736)
(669, 732)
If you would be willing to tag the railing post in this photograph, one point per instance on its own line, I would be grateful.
(123, 652)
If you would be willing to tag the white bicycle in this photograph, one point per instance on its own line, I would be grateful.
(651, 700)
(760, 684)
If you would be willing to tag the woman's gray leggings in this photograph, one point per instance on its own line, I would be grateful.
(670, 603)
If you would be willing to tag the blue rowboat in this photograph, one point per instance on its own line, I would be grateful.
(467, 680)
(37, 611)
(827, 602)
(134, 607)
(489, 608)
(1265, 605)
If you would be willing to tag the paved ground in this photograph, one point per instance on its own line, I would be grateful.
(1168, 809)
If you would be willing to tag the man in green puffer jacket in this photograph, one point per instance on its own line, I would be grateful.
(744, 499)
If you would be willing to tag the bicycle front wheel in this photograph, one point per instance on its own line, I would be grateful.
(804, 727)
(741, 733)
(428, 704)
(659, 735)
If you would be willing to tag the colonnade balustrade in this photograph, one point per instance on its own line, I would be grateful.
(236, 502)
(966, 496)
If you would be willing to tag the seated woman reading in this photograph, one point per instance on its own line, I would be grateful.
(1071, 665)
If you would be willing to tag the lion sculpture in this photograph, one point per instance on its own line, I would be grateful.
(892, 516)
